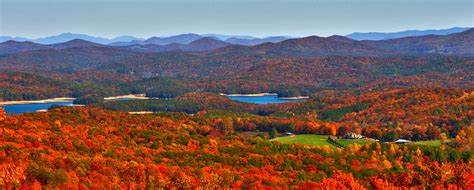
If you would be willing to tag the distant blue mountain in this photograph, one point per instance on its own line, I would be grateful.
(188, 38)
(224, 37)
(177, 39)
(231, 39)
(256, 41)
(8, 38)
(202, 44)
(65, 37)
(124, 39)
(407, 33)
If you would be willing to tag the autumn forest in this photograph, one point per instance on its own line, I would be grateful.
(360, 114)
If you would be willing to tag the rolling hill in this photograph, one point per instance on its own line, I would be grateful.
(458, 43)
(11, 47)
(315, 46)
(201, 44)
(255, 41)
(65, 37)
(188, 38)
(178, 39)
(407, 33)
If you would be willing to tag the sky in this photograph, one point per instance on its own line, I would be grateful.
(146, 18)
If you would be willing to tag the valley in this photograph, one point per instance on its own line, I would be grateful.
(265, 113)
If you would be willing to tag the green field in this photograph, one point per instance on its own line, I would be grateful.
(317, 140)
(321, 140)
(430, 143)
(346, 142)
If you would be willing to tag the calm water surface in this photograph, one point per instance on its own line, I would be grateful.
(34, 107)
(22, 108)
(268, 99)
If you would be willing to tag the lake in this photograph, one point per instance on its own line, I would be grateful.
(23, 108)
(36, 106)
(33, 107)
(267, 99)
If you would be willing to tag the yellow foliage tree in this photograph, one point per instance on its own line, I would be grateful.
(57, 123)
(418, 152)
(387, 164)
(392, 149)
(443, 137)
(465, 138)
(327, 149)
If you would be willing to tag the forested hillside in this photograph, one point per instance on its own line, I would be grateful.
(414, 114)
(92, 148)
(165, 76)
(364, 98)
(290, 68)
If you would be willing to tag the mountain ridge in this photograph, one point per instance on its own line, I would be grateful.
(456, 43)
(406, 33)
(233, 39)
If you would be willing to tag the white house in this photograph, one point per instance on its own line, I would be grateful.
(352, 136)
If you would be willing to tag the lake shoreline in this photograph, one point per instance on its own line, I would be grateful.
(68, 99)
(139, 97)
(140, 112)
(251, 95)
(132, 96)
(267, 94)
(51, 100)
(294, 98)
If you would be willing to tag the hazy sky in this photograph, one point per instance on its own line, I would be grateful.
(145, 18)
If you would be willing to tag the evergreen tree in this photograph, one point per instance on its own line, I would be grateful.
(273, 133)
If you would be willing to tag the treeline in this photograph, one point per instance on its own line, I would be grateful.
(158, 105)
(194, 102)
(159, 87)
(337, 113)
(25, 86)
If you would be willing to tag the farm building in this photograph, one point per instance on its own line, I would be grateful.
(289, 134)
(352, 136)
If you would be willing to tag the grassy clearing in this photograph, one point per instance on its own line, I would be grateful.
(346, 142)
(321, 140)
(318, 140)
(430, 143)
(314, 140)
